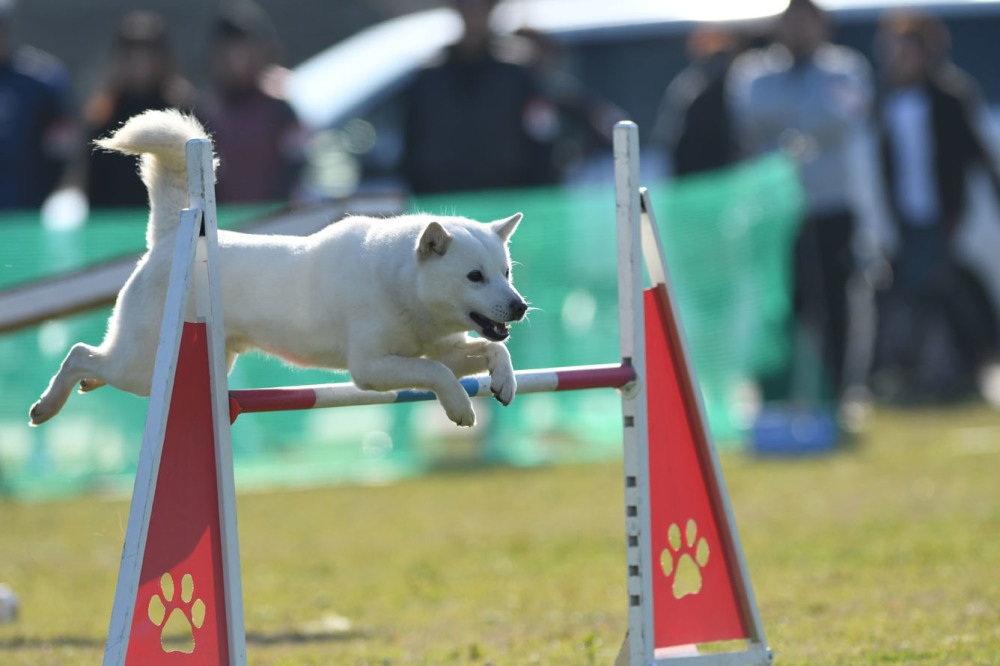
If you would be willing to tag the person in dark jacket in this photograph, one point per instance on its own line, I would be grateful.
(37, 126)
(927, 121)
(694, 124)
(475, 121)
(141, 75)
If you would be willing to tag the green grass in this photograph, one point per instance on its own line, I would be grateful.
(887, 552)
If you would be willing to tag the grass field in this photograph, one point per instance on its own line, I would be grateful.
(886, 552)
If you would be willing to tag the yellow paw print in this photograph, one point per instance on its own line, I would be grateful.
(177, 627)
(683, 561)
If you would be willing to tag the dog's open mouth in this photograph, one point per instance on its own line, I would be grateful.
(491, 330)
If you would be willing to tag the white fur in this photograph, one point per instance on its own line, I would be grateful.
(387, 299)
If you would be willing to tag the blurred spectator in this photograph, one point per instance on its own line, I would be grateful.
(811, 100)
(694, 125)
(36, 120)
(258, 137)
(586, 119)
(930, 142)
(141, 75)
(474, 121)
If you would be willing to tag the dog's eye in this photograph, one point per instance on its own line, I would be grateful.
(475, 276)
(507, 274)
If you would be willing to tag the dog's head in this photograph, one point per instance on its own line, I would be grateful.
(465, 275)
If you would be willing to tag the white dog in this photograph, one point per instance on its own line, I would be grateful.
(390, 300)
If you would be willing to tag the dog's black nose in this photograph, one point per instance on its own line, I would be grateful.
(517, 309)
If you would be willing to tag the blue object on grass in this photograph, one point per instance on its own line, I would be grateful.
(794, 431)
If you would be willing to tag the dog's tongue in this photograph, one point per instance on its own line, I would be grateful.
(494, 330)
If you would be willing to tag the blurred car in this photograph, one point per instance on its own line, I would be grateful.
(352, 94)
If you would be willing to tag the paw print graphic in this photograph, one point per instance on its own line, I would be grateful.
(176, 618)
(684, 558)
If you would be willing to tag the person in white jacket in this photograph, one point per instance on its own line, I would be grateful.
(812, 100)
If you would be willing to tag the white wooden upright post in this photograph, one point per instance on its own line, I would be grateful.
(632, 341)
(208, 299)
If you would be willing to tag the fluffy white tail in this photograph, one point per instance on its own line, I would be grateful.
(160, 138)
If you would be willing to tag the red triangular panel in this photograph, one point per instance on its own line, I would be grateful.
(695, 599)
(183, 540)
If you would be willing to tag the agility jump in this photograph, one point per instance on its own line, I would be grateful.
(687, 581)
(348, 395)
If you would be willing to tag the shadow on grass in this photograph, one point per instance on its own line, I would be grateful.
(36, 642)
(298, 637)
(253, 638)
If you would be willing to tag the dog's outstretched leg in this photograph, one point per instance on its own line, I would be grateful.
(387, 373)
(82, 364)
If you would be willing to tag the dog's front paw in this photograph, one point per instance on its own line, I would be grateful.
(503, 385)
(460, 411)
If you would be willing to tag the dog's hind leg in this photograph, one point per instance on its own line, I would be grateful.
(83, 362)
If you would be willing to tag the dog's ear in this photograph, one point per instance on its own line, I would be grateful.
(505, 228)
(434, 240)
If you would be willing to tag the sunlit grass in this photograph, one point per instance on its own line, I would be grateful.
(886, 552)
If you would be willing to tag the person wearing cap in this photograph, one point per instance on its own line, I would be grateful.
(811, 100)
(37, 124)
(258, 138)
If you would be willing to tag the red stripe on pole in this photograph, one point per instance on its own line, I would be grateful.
(576, 379)
(270, 400)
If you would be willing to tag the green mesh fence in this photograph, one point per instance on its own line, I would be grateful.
(727, 239)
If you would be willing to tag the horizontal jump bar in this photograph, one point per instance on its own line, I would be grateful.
(317, 396)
